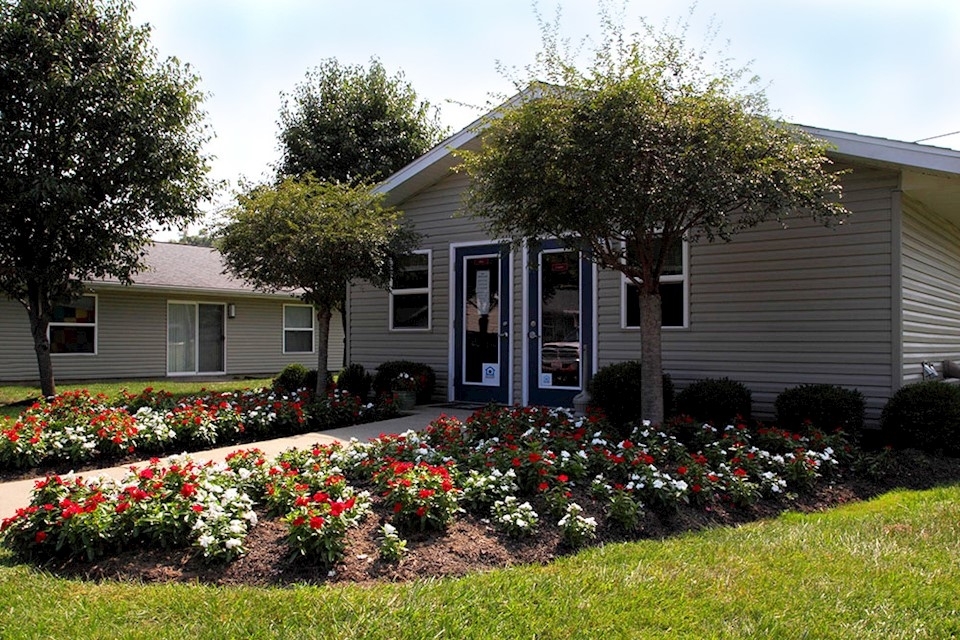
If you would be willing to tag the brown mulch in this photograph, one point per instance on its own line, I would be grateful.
(471, 544)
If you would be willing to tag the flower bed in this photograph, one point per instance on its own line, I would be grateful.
(77, 427)
(521, 469)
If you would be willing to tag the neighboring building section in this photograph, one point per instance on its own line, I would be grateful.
(182, 317)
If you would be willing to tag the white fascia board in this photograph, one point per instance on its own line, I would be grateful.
(891, 152)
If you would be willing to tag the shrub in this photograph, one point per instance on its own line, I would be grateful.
(354, 379)
(616, 391)
(924, 415)
(825, 407)
(424, 376)
(717, 401)
(292, 378)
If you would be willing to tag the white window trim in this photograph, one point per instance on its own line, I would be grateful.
(682, 278)
(419, 291)
(312, 330)
(95, 325)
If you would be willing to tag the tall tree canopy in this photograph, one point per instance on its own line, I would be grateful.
(98, 142)
(349, 124)
(313, 236)
(645, 148)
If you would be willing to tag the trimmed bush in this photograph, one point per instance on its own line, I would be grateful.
(615, 390)
(826, 407)
(292, 378)
(717, 401)
(423, 374)
(354, 379)
(924, 415)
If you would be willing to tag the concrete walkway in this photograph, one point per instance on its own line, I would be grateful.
(15, 495)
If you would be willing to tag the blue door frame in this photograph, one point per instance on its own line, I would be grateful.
(559, 331)
(481, 359)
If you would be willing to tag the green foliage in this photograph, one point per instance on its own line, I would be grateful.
(355, 379)
(615, 389)
(924, 415)
(717, 401)
(314, 236)
(647, 147)
(101, 142)
(349, 124)
(424, 376)
(825, 407)
(292, 378)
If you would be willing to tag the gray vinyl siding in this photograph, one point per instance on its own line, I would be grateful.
(132, 335)
(931, 289)
(777, 307)
(433, 214)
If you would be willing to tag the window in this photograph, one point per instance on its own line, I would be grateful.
(298, 328)
(73, 327)
(410, 293)
(673, 293)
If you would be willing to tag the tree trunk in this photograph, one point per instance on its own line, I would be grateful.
(323, 337)
(651, 359)
(39, 323)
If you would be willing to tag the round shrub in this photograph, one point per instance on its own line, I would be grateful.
(292, 378)
(354, 379)
(717, 401)
(615, 389)
(924, 415)
(826, 407)
(424, 375)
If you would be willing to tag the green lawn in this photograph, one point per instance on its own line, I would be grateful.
(12, 395)
(887, 568)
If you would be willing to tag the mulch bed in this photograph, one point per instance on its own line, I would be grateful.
(471, 544)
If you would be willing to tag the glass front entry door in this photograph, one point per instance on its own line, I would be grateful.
(560, 318)
(481, 324)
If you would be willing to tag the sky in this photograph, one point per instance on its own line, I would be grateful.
(874, 67)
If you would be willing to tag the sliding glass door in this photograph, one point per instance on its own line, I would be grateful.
(195, 338)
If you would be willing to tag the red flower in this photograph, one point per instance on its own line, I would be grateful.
(562, 477)
(316, 522)
(535, 457)
(696, 488)
(146, 474)
(298, 521)
(426, 493)
(40, 537)
(197, 508)
(682, 471)
(188, 489)
(543, 486)
(740, 473)
(421, 511)
(123, 506)
(397, 507)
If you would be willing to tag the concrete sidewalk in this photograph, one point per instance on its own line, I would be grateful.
(15, 495)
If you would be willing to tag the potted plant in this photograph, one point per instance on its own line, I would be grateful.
(404, 391)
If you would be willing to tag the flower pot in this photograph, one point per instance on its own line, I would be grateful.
(405, 400)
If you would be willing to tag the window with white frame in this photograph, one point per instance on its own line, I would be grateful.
(298, 328)
(673, 292)
(73, 327)
(410, 292)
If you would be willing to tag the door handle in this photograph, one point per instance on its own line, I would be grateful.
(533, 335)
(505, 334)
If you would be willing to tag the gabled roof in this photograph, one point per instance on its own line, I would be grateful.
(188, 268)
(925, 159)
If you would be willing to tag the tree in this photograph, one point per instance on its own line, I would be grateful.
(348, 124)
(644, 149)
(313, 236)
(98, 142)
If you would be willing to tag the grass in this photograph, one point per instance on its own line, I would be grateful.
(12, 396)
(887, 568)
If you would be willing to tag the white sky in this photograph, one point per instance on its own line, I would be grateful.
(875, 67)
